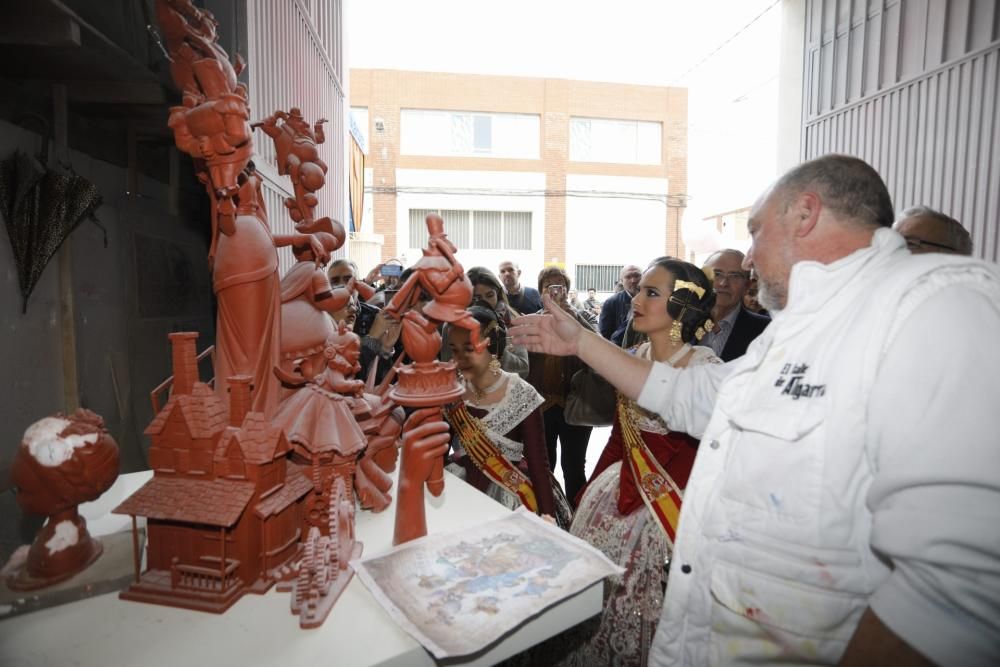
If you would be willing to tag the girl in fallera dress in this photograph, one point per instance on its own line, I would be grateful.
(633, 524)
(499, 444)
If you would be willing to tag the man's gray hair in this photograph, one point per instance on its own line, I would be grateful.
(848, 186)
(725, 251)
(958, 236)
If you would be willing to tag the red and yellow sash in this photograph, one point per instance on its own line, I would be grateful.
(487, 458)
(660, 493)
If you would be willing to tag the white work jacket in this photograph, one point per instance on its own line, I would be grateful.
(818, 491)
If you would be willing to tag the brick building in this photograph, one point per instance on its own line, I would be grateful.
(588, 175)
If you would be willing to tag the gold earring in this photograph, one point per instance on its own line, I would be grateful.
(675, 331)
(495, 366)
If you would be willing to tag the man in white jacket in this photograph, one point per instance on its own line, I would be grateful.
(845, 502)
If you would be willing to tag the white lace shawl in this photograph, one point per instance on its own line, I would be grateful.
(519, 400)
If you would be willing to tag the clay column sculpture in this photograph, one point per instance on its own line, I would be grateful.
(428, 382)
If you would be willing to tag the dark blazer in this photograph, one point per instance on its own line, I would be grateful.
(614, 315)
(528, 301)
(748, 326)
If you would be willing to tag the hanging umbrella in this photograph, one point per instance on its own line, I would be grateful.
(41, 208)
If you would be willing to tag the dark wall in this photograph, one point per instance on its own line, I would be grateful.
(151, 279)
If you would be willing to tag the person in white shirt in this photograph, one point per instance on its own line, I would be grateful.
(845, 502)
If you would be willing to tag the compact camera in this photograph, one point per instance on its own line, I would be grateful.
(556, 291)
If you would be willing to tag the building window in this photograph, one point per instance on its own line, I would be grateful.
(617, 141)
(602, 277)
(359, 119)
(469, 134)
(481, 230)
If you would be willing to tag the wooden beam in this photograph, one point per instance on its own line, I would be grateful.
(117, 92)
(67, 316)
(23, 29)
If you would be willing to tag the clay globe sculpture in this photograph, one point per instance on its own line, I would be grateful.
(62, 462)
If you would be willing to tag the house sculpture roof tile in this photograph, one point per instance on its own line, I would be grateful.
(217, 502)
(204, 412)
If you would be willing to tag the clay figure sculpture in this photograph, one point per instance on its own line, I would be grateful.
(307, 301)
(212, 123)
(245, 280)
(382, 424)
(324, 570)
(224, 508)
(62, 462)
(295, 143)
(321, 427)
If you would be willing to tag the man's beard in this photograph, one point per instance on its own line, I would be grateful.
(770, 295)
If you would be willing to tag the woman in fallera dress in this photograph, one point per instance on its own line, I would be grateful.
(499, 444)
(633, 524)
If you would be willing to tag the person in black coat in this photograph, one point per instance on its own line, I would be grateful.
(735, 326)
(618, 308)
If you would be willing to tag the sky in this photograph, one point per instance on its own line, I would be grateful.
(729, 67)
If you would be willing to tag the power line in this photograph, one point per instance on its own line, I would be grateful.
(723, 45)
(668, 200)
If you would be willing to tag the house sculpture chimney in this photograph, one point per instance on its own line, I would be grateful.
(239, 398)
(185, 360)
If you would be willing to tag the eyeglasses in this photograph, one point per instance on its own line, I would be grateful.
(914, 243)
(731, 276)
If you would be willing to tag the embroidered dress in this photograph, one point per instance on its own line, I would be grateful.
(514, 426)
(612, 517)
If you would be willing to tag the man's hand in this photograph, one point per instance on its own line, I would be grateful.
(555, 332)
(385, 329)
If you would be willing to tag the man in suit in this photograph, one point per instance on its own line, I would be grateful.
(735, 326)
(524, 300)
(616, 310)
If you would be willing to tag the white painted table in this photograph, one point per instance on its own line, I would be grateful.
(260, 630)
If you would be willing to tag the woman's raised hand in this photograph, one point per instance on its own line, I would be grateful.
(555, 332)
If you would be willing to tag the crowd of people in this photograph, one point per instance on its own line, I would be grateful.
(803, 443)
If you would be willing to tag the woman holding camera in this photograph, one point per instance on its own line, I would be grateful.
(551, 376)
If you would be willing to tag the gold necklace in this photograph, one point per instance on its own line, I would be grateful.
(478, 394)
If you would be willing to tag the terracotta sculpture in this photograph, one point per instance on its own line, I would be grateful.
(295, 143)
(62, 462)
(426, 381)
(324, 571)
(213, 121)
(321, 427)
(307, 301)
(225, 506)
(232, 496)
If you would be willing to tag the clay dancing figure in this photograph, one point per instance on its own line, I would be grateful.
(295, 143)
(62, 462)
(438, 274)
(212, 122)
(319, 423)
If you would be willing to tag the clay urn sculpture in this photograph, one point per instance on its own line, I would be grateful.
(62, 462)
